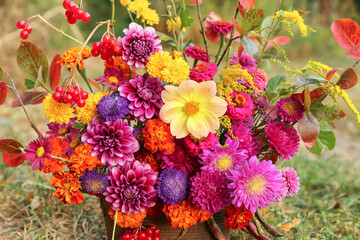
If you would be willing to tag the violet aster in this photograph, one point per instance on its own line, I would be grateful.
(173, 186)
(113, 77)
(37, 150)
(144, 95)
(255, 185)
(292, 181)
(94, 182)
(111, 141)
(209, 191)
(138, 45)
(246, 61)
(112, 107)
(131, 187)
(290, 109)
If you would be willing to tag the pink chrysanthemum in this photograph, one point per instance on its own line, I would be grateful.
(196, 145)
(144, 95)
(204, 71)
(132, 188)
(179, 159)
(290, 109)
(221, 26)
(255, 185)
(57, 130)
(292, 181)
(241, 106)
(209, 191)
(113, 77)
(283, 191)
(138, 45)
(246, 61)
(223, 158)
(197, 53)
(73, 140)
(112, 141)
(37, 150)
(261, 80)
(284, 139)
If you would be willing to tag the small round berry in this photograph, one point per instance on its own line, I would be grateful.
(57, 96)
(110, 61)
(156, 238)
(78, 14)
(66, 3)
(69, 14)
(148, 238)
(72, 20)
(126, 236)
(59, 89)
(105, 46)
(24, 34)
(75, 94)
(117, 50)
(97, 45)
(80, 103)
(113, 42)
(106, 39)
(68, 98)
(86, 17)
(95, 53)
(20, 24)
(141, 235)
(150, 232)
(157, 232)
(28, 28)
(84, 95)
(104, 56)
(72, 6)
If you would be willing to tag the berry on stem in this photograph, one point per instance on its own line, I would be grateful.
(57, 96)
(28, 28)
(20, 24)
(86, 17)
(24, 34)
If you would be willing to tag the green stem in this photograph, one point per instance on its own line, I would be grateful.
(131, 17)
(222, 44)
(112, 11)
(115, 220)
(202, 30)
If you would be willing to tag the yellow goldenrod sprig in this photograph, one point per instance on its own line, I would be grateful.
(286, 68)
(295, 18)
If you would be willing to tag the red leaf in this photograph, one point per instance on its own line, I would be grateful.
(237, 27)
(55, 72)
(348, 79)
(29, 98)
(13, 160)
(247, 4)
(309, 128)
(354, 52)
(281, 40)
(307, 100)
(346, 32)
(240, 50)
(331, 73)
(10, 146)
(3, 92)
(241, 10)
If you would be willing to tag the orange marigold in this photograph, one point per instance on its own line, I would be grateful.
(125, 221)
(71, 55)
(67, 188)
(56, 165)
(82, 160)
(157, 136)
(146, 156)
(119, 64)
(237, 217)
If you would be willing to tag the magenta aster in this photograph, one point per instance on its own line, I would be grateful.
(73, 140)
(283, 191)
(284, 139)
(197, 53)
(209, 191)
(246, 61)
(204, 71)
(241, 106)
(144, 95)
(221, 26)
(113, 141)
(138, 45)
(292, 181)
(131, 187)
(113, 77)
(196, 145)
(261, 80)
(58, 130)
(290, 109)
(37, 150)
(255, 185)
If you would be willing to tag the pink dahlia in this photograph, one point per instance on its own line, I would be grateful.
(255, 185)
(241, 106)
(112, 141)
(221, 26)
(223, 158)
(138, 45)
(204, 71)
(113, 77)
(246, 61)
(284, 139)
(131, 187)
(290, 109)
(261, 80)
(209, 191)
(292, 181)
(179, 159)
(197, 53)
(144, 95)
(37, 150)
(196, 145)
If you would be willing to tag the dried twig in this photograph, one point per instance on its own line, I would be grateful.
(202, 30)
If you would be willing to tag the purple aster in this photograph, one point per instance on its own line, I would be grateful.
(246, 61)
(112, 107)
(223, 158)
(73, 140)
(173, 186)
(138, 135)
(292, 181)
(94, 182)
(59, 129)
(113, 77)
(209, 191)
(111, 141)
(144, 94)
(37, 150)
(132, 188)
(255, 185)
(290, 109)
(138, 45)
(284, 139)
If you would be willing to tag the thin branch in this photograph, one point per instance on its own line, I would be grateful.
(202, 30)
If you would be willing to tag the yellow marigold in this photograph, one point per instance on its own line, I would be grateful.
(173, 25)
(57, 112)
(176, 54)
(295, 18)
(81, 160)
(120, 65)
(150, 16)
(125, 221)
(138, 6)
(124, 3)
(163, 66)
(89, 111)
(67, 188)
(71, 55)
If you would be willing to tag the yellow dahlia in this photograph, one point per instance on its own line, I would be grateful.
(89, 111)
(57, 112)
(192, 108)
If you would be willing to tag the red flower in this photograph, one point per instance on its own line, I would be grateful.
(237, 217)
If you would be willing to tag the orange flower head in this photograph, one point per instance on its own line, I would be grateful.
(82, 160)
(120, 65)
(237, 217)
(157, 136)
(56, 165)
(67, 188)
(71, 55)
(146, 156)
(125, 221)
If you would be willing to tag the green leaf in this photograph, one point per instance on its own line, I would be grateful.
(164, 37)
(249, 46)
(328, 139)
(187, 44)
(78, 126)
(83, 75)
(186, 20)
(252, 19)
(317, 148)
(274, 82)
(32, 61)
(1, 73)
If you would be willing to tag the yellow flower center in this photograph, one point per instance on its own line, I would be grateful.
(240, 101)
(290, 108)
(224, 162)
(40, 152)
(113, 80)
(256, 185)
(201, 66)
(74, 143)
(62, 131)
(95, 185)
(191, 108)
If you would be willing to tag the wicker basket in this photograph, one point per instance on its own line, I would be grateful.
(200, 231)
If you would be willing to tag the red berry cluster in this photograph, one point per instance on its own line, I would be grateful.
(26, 29)
(151, 233)
(74, 13)
(72, 94)
(107, 48)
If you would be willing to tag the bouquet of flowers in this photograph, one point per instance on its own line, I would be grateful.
(154, 136)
